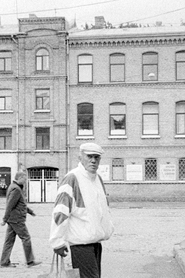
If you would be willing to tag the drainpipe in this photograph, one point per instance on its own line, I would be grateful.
(17, 112)
(67, 107)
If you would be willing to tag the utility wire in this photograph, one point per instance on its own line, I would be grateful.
(173, 11)
(65, 8)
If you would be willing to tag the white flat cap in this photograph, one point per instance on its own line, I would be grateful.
(91, 148)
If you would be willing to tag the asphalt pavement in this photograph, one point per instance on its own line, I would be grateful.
(144, 244)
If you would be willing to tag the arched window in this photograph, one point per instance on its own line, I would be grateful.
(150, 118)
(117, 67)
(180, 65)
(85, 68)
(180, 118)
(42, 59)
(85, 119)
(117, 118)
(150, 66)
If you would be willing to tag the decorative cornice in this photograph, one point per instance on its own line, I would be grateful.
(128, 42)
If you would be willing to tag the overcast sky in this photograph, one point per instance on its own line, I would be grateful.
(114, 11)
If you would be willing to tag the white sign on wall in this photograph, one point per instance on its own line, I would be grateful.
(167, 172)
(134, 172)
(104, 171)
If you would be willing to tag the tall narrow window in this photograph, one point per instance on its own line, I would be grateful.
(42, 99)
(150, 118)
(117, 119)
(180, 118)
(180, 65)
(117, 169)
(182, 169)
(42, 59)
(5, 103)
(85, 68)
(85, 119)
(42, 138)
(150, 66)
(5, 138)
(5, 60)
(117, 67)
(150, 169)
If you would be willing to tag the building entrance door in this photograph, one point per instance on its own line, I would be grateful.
(5, 179)
(42, 184)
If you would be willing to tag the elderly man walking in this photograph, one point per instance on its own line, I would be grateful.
(15, 218)
(81, 217)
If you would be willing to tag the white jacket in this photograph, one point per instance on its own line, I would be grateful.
(81, 213)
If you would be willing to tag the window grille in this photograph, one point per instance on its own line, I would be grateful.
(117, 169)
(182, 169)
(151, 169)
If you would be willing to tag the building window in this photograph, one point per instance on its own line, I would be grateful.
(5, 103)
(42, 99)
(182, 169)
(85, 119)
(150, 66)
(150, 118)
(5, 138)
(5, 60)
(117, 67)
(42, 59)
(150, 169)
(180, 65)
(85, 68)
(117, 119)
(42, 138)
(180, 118)
(117, 169)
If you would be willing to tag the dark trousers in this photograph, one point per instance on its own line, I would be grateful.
(21, 230)
(87, 258)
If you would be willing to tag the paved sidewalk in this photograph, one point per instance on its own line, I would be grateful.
(143, 241)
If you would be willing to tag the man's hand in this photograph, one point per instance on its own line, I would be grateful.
(61, 251)
(3, 223)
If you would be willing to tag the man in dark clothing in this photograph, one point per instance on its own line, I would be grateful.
(15, 218)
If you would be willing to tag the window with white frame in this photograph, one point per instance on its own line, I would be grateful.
(5, 60)
(42, 138)
(182, 169)
(42, 99)
(150, 169)
(150, 118)
(117, 118)
(85, 119)
(85, 68)
(150, 66)
(117, 67)
(5, 103)
(180, 118)
(42, 60)
(117, 169)
(180, 65)
(5, 138)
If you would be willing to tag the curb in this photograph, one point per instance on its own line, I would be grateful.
(179, 255)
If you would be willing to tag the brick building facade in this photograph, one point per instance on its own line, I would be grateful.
(33, 105)
(120, 88)
(129, 86)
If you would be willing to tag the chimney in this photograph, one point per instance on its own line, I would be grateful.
(99, 22)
